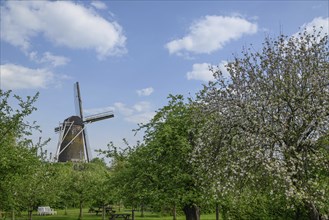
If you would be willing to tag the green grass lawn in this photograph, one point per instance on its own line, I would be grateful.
(72, 214)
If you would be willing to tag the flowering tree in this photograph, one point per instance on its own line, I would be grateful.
(265, 122)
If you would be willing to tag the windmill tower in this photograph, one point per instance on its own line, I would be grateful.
(73, 144)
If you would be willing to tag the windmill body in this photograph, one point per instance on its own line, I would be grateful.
(73, 142)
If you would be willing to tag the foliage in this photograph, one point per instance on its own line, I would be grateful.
(118, 173)
(159, 171)
(265, 120)
(167, 151)
(25, 179)
(255, 143)
(102, 193)
(84, 183)
(18, 153)
(13, 125)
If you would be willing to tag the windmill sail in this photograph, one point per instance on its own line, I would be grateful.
(79, 112)
(98, 117)
(89, 156)
(77, 100)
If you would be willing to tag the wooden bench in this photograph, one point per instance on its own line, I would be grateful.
(114, 216)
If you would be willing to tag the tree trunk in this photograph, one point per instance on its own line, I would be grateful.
(103, 211)
(142, 209)
(30, 214)
(174, 213)
(13, 214)
(80, 213)
(298, 214)
(224, 212)
(133, 214)
(65, 212)
(217, 211)
(313, 212)
(192, 212)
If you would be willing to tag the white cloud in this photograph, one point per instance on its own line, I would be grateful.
(99, 5)
(145, 92)
(317, 23)
(211, 33)
(140, 112)
(200, 71)
(20, 77)
(64, 23)
(54, 60)
(144, 117)
(49, 58)
(222, 67)
(142, 106)
(123, 109)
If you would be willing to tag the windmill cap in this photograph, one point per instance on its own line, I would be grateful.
(75, 119)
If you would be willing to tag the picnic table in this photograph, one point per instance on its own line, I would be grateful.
(114, 216)
(108, 210)
(95, 210)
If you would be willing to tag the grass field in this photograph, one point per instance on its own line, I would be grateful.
(72, 214)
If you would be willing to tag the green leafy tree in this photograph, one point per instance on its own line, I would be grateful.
(141, 188)
(102, 194)
(18, 154)
(159, 171)
(14, 129)
(14, 189)
(165, 156)
(84, 183)
(130, 177)
(119, 176)
(38, 186)
(63, 183)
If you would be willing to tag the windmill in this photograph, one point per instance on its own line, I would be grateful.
(73, 144)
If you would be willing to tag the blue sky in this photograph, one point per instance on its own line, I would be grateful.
(128, 56)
